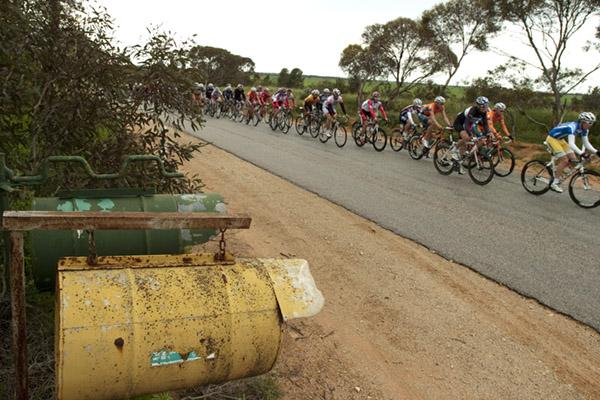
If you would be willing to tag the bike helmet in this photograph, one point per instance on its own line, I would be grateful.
(211, 86)
(228, 85)
(375, 94)
(588, 117)
(315, 92)
(500, 106)
(253, 89)
(482, 101)
(336, 92)
(240, 86)
(417, 103)
(259, 88)
(440, 100)
(266, 89)
(326, 91)
(281, 89)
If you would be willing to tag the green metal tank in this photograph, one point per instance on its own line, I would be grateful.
(48, 246)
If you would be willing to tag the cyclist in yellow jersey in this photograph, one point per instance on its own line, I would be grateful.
(312, 99)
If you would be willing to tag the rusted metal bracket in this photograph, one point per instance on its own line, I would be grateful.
(16, 222)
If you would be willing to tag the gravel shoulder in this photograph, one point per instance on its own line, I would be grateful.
(400, 322)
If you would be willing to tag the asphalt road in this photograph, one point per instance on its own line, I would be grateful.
(543, 247)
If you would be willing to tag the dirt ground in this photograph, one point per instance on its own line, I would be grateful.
(399, 322)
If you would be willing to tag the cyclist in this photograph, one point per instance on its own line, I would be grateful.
(427, 115)
(290, 100)
(329, 107)
(312, 99)
(324, 96)
(264, 97)
(252, 101)
(497, 115)
(566, 150)
(198, 94)
(238, 94)
(369, 109)
(406, 119)
(209, 89)
(468, 124)
(279, 99)
(215, 97)
(228, 92)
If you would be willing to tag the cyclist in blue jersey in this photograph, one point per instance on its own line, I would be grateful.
(565, 150)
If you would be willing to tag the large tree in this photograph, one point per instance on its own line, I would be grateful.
(360, 65)
(402, 49)
(548, 28)
(219, 65)
(458, 27)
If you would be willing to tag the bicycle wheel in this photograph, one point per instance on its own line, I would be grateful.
(274, 122)
(536, 177)
(314, 127)
(396, 139)
(359, 138)
(256, 117)
(218, 111)
(300, 125)
(340, 136)
(379, 139)
(325, 134)
(442, 159)
(286, 122)
(481, 169)
(584, 189)
(416, 148)
(504, 162)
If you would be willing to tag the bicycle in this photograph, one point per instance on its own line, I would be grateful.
(416, 148)
(373, 134)
(584, 184)
(502, 158)
(302, 121)
(337, 131)
(477, 160)
(399, 140)
(283, 120)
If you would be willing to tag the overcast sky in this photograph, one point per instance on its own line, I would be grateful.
(307, 34)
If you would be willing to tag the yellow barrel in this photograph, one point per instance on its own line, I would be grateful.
(134, 325)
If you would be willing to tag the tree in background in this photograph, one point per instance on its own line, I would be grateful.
(402, 50)
(220, 66)
(458, 27)
(283, 78)
(548, 27)
(361, 66)
(295, 79)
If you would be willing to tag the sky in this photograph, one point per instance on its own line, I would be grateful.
(308, 34)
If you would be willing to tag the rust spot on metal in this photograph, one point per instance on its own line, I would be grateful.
(119, 342)
(224, 278)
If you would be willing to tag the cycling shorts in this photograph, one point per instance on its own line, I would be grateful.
(559, 146)
(364, 115)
